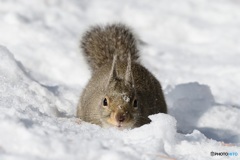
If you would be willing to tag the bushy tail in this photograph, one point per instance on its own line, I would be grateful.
(101, 44)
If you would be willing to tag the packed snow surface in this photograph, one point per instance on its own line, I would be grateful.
(192, 47)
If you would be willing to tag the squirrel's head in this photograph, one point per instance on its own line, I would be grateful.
(119, 107)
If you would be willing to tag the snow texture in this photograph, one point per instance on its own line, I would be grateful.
(192, 47)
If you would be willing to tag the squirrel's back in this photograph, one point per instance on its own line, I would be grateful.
(121, 92)
(101, 44)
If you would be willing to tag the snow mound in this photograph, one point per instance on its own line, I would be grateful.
(20, 91)
(191, 100)
(194, 107)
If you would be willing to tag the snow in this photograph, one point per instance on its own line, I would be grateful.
(192, 47)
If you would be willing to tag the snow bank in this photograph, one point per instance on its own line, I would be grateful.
(20, 91)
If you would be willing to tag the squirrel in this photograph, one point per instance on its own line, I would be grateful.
(121, 93)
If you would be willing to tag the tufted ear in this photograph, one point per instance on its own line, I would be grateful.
(128, 75)
(113, 72)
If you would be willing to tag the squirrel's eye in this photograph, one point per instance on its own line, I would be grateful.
(135, 103)
(105, 102)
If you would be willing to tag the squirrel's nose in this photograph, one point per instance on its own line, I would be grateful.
(121, 117)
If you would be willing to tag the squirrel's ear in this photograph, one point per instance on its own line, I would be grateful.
(128, 74)
(113, 72)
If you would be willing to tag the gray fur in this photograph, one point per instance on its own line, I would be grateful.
(112, 53)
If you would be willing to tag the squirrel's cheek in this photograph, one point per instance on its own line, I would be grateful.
(111, 119)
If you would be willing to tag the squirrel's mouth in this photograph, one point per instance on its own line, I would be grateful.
(120, 125)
